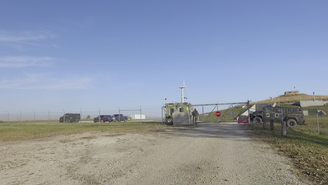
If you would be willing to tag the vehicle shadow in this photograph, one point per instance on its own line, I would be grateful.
(208, 130)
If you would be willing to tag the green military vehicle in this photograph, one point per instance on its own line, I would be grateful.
(179, 110)
(292, 115)
(70, 118)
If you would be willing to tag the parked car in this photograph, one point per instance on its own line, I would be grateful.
(103, 118)
(243, 119)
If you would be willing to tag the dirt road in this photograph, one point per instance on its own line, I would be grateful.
(209, 153)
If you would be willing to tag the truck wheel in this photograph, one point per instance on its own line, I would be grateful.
(67, 121)
(169, 121)
(257, 120)
(291, 123)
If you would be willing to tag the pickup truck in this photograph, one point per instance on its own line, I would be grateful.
(119, 117)
(103, 118)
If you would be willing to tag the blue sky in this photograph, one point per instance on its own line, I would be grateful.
(91, 55)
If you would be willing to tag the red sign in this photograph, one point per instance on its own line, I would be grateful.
(217, 113)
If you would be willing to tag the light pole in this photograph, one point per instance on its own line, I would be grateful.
(313, 97)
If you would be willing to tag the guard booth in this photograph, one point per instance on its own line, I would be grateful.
(178, 113)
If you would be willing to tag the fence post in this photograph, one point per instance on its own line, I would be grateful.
(264, 123)
(99, 116)
(64, 121)
(271, 125)
(48, 116)
(140, 114)
(318, 122)
(283, 128)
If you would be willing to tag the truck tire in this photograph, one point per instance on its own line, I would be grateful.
(169, 121)
(67, 121)
(257, 120)
(291, 123)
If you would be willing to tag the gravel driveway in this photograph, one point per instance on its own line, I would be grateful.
(209, 153)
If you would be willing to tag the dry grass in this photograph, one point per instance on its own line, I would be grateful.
(292, 98)
(307, 149)
(29, 130)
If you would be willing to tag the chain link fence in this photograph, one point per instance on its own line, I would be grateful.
(86, 114)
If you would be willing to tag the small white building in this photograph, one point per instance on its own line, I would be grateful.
(138, 116)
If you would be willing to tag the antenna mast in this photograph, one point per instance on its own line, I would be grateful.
(181, 87)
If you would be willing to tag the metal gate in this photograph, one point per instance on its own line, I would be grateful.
(229, 111)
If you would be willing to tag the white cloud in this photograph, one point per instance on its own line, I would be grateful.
(7, 38)
(20, 40)
(24, 61)
(45, 81)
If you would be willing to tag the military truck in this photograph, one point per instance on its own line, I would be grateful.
(172, 108)
(70, 118)
(292, 115)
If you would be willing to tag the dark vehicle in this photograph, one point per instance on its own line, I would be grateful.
(103, 118)
(119, 117)
(70, 118)
(292, 115)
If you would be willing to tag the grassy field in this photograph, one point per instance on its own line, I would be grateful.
(14, 131)
(304, 145)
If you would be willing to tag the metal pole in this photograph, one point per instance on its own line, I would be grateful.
(249, 115)
(203, 113)
(99, 115)
(34, 116)
(140, 114)
(271, 125)
(48, 116)
(64, 121)
(313, 97)
(8, 116)
(318, 122)
(162, 114)
(119, 114)
(20, 116)
(80, 114)
(264, 123)
(283, 128)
